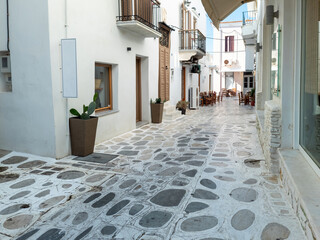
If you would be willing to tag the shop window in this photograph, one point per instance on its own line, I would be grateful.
(103, 86)
(229, 43)
(310, 80)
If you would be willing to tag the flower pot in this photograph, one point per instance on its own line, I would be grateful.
(156, 112)
(183, 111)
(252, 103)
(82, 135)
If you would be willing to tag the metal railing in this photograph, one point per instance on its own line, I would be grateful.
(144, 11)
(192, 40)
(248, 17)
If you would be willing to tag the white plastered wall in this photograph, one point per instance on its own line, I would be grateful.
(26, 113)
(100, 40)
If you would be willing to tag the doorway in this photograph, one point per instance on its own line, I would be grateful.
(183, 84)
(229, 80)
(248, 82)
(138, 90)
(164, 63)
(210, 83)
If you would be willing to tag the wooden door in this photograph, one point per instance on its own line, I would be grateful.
(199, 83)
(138, 90)
(183, 84)
(164, 64)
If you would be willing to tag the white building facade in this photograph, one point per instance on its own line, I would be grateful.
(233, 59)
(288, 90)
(117, 53)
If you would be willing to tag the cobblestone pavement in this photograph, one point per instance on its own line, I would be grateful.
(199, 177)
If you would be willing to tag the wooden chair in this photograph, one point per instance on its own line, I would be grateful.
(241, 98)
(214, 98)
(201, 99)
(207, 99)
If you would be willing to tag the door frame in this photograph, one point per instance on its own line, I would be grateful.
(183, 84)
(138, 90)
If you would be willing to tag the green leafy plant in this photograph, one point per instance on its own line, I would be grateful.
(157, 101)
(182, 105)
(253, 91)
(87, 110)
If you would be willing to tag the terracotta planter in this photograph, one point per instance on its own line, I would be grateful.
(82, 135)
(156, 112)
(252, 103)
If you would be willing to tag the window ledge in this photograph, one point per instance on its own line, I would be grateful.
(302, 184)
(105, 113)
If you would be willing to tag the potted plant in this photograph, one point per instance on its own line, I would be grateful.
(253, 96)
(156, 110)
(182, 106)
(83, 129)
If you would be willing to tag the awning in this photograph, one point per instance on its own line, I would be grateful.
(218, 10)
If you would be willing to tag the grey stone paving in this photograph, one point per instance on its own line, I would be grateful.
(199, 177)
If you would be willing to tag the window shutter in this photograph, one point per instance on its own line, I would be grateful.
(231, 43)
(226, 44)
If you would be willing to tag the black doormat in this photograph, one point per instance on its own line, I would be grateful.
(97, 158)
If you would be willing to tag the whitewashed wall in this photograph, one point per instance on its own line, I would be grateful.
(219, 55)
(100, 40)
(26, 113)
(3, 25)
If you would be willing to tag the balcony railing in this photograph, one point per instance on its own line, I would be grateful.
(146, 12)
(192, 40)
(248, 17)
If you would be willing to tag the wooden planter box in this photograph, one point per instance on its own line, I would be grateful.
(82, 135)
(156, 112)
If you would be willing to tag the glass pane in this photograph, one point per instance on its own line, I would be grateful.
(245, 82)
(102, 86)
(275, 62)
(251, 82)
(310, 83)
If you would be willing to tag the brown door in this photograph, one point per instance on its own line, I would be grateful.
(199, 83)
(183, 84)
(164, 65)
(210, 86)
(138, 90)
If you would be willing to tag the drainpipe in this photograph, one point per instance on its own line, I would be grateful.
(66, 36)
(220, 59)
(8, 38)
(65, 18)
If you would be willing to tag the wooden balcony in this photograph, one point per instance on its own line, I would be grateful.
(192, 45)
(140, 16)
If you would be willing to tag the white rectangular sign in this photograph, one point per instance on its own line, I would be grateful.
(69, 68)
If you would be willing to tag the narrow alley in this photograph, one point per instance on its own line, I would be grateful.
(201, 176)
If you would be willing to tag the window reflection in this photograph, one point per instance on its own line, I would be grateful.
(103, 86)
(310, 83)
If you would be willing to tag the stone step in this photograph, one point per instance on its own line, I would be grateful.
(170, 112)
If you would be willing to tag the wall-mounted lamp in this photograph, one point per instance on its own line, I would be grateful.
(258, 47)
(271, 14)
(187, 3)
(128, 49)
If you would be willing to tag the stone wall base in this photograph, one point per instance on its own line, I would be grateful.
(292, 171)
(269, 131)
